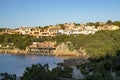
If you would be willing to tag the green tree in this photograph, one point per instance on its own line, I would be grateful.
(116, 23)
(97, 24)
(2, 29)
(90, 24)
(109, 22)
(39, 72)
(6, 76)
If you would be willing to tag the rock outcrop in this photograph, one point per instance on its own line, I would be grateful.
(63, 50)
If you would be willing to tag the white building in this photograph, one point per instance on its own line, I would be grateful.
(79, 30)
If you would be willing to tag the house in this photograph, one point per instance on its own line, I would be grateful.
(35, 32)
(53, 31)
(23, 30)
(108, 27)
(89, 30)
(49, 31)
(79, 30)
(113, 27)
(41, 47)
(9, 31)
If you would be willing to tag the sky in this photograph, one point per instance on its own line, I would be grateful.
(18, 13)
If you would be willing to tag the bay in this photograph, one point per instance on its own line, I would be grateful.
(16, 64)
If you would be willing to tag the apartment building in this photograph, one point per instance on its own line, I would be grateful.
(38, 32)
(79, 30)
(108, 27)
(69, 29)
(23, 30)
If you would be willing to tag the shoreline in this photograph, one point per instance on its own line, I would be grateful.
(25, 52)
(13, 51)
(42, 54)
(62, 53)
(22, 52)
(69, 60)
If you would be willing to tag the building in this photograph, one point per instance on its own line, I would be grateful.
(43, 47)
(38, 32)
(79, 30)
(108, 27)
(35, 32)
(67, 29)
(23, 30)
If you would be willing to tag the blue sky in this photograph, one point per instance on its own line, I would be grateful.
(17, 13)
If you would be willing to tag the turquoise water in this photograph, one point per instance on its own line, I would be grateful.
(16, 64)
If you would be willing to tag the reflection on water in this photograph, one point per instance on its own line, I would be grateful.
(15, 64)
(68, 57)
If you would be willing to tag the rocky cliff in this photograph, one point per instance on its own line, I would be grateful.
(63, 50)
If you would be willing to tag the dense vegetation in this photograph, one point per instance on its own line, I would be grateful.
(106, 68)
(109, 22)
(96, 24)
(101, 44)
(18, 41)
(6, 76)
(2, 29)
(41, 72)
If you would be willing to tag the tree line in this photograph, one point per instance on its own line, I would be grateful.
(41, 72)
(109, 22)
(107, 68)
(100, 44)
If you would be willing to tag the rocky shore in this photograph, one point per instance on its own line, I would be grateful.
(74, 61)
(23, 52)
(63, 50)
(13, 51)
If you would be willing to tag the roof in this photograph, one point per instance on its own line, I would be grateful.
(43, 45)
